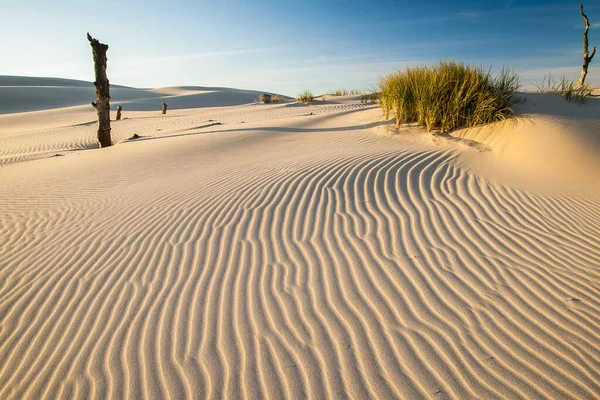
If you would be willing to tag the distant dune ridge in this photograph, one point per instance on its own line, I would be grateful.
(240, 250)
(24, 94)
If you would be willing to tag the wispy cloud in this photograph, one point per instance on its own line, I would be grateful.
(473, 15)
(420, 20)
(319, 77)
(581, 25)
(193, 56)
(556, 72)
(196, 56)
(571, 72)
(320, 60)
(510, 9)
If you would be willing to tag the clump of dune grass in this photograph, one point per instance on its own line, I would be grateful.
(447, 95)
(345, 92)
(369, 97)
(575, 93)
(305, 96)
(270, 98)
(569, 89)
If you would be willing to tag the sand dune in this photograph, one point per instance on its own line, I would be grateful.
(25, 94)
(553, 146)
(293, 251)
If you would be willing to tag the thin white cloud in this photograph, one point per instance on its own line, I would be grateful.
(580, 25)
(319, 77)
(192, 56)
(532, 76)
(471, 15)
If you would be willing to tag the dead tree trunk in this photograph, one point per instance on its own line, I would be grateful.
(119, 109)
(164, 108)
(587, 57)
(102, 91)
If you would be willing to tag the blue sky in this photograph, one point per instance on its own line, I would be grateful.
(287, 46)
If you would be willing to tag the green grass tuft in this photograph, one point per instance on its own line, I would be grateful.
(447, 95)
(345, 92)
(369, 97)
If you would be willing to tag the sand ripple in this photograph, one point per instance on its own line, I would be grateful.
(338, 266)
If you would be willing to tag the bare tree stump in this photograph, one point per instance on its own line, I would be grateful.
(119, 109)
(587, 57)
(164, 108)
(102, 91)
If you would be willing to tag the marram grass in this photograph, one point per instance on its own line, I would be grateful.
(369, 97)
(447, 95)
(569, 89)
(305, 97)
(345, 92)
(273, 98)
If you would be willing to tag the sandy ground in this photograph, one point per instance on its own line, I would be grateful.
(299, 251)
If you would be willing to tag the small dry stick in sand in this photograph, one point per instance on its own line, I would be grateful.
(102, 104)
(164, 108)
(119, 109)
(587, 57)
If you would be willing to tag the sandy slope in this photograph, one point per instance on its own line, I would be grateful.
(19, 94)
(553, 147)
(293, 251)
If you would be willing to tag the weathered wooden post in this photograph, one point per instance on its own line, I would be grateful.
(164, 108)
(587, 57)
(102, 104)
(119, 109)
